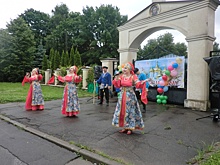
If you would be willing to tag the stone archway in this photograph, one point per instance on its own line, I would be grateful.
(195, 19)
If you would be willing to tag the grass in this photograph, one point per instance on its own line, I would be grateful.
(210, 155)
(15, 92)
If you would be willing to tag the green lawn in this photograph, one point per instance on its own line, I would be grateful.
(15, 92)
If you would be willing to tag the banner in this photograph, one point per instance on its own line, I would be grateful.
(156, 68)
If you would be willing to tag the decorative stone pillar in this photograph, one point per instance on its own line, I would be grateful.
(109, 62)
(127, 55)
(47, 75)
(67, 71)
(85, 76)
(57, 72)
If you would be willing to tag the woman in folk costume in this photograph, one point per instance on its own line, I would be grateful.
(127, 113)
(34, 100)
(70, 102)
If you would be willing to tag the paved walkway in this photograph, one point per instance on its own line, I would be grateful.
(172, 135)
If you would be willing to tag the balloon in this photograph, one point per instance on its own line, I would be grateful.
(159, 86)
(160, 78)
(165, 97)
(175, 65)
(166, 83)
(164, 101)
(162, 83)
(170, 67)
(164, 77)
(173, 73)
(167, 72)
(122, 65)
(178, 60)
(158, 96)
(159, 90)
(159, 101)
(161, 97)
(165, 89)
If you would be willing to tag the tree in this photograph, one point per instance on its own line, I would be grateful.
(56, 60)
(5, 51)
(58, 39)
(62, 59)
(51, 58)
(39, 24)
(22, 50)
(38, 58)
(161, 46)
(99, 30)
(66, 59)
(216, 46)
(77, 59)
(71, 61)
(45, 63)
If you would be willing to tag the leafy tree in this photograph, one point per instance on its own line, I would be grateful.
(71, 61)
(56, 60)
(161, 46)
(5, 51)
(22, 50)
(58, 39)
(39, 23)
(38, 58)
(77, 59)
(51, 58)
(216, 46)
(99, 29)
(45, 63)
(62, 59)
(66, 59)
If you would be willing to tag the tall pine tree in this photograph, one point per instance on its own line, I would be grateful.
(71, 61)
(22, 50)
(77, 59)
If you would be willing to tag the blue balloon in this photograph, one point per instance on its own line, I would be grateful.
(159, 86)
(165, 89)
(175, 65)
(160, 78)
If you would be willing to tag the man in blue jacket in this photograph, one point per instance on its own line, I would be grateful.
(105, 82)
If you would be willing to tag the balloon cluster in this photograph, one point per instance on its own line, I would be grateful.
(161, 99)
(170, 73)
(120, 67)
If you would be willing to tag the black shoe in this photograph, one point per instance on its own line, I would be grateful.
(144, 111)
(107, 104)
(100, 103)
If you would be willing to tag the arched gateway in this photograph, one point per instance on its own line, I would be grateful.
(195, 19)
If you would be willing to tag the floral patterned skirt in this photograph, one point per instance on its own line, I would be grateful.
(127, 113)
(70, 102)
(34, 100)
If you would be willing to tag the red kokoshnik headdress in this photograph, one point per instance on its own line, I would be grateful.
(130, 66)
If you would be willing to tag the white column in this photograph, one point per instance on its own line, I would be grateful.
(198, 74)
(47, 75)
(85, 76)
(57, 72)
(127, 55)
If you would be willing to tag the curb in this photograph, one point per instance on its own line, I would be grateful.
(90, 156)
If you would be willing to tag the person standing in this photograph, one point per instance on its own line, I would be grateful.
(127, 112)
(141, 77)
(70, 102)
(105, 82)
(34, 100)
